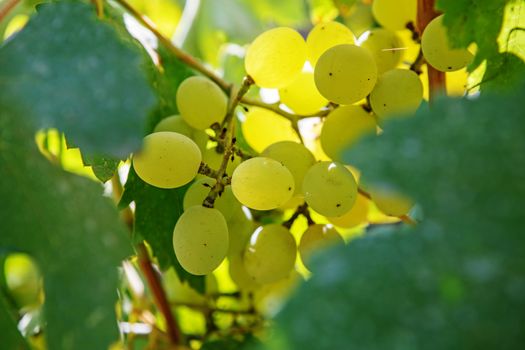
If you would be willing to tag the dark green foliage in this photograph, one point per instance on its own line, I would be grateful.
(457, 280)
(67, 69)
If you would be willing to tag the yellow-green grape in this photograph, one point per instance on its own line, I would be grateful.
(386, 48)
(199, 190)
(175, 123)
(359, 19)
(437, 50)
(270, 254)
(302, 95)
(201, 102)
(214, 160)
(276, 57)
(167, 160)
(326, 35)
(315, 238)
(23, 279)
(395, 14)
(343, 127)
(294, 156)
(262, 183)
(398, 91)
(390, 201)
(262, 127)
(269, 299)
(329, 188)
(200, 239)
(356, 216)
(345, 74)
(240, 228)
(239, 275)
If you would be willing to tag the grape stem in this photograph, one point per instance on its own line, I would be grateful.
(146, 266)
(420, 61)
(214, 309)
(301, 210)
(436, 79)
(227, 138)
(4, 11)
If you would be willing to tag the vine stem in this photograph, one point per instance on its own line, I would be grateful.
(180, 54)
(227, 136)
(4, 11)
(146, 266)
(436, 79)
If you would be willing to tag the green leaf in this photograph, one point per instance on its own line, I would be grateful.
(230, 343)
(103, 167)
(156, 213)
(71, 230)
(457, 280)
(11, 338)
(69, 70)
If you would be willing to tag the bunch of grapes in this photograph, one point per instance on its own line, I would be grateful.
(348, 89)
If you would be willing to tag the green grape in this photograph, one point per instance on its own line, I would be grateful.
(200, 239)
(345, 74)
(23, 279)
(199, 190)
(360, 18)
(344, 127)
(214, 160)
(175, 123)
(329, 188)
(276, 57)
(437, 50)
(356, 216)
(385, 46)
(262, 183)
(240, 228)
(395, 14)
(201, 102)
(167, 160)
(398, 91)
(270, 254)
(294, 156)
(262, 127)
(302, 95)
(324, 36)
(390, 201)
(239, 275)
(315, 238)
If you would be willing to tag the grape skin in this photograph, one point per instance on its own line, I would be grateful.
(199, 190)
(167, 160)
(398, 91)
(294, 156)
(200, 239)
(343, 127)
(385, 47)
(201, 102)
(317, 237)
(345, 74)
(302, 95)
(395, 14)
(270, 255)
(175, 123)
(276, 57)
(330, 189)
(262, 183)
(437, 50)
(326, 35)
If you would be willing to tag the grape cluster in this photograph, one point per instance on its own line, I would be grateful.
(348, 88)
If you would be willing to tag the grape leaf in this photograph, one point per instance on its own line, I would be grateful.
(103, 167)
(156, 213)
(73, 233)
(69, 70)
(457, 280)
(11, 338)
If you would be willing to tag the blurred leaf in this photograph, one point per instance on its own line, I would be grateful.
(291, 13)
(229, 343)
(504, 72)
(11, 338)
(156, 213)
(457, 280)
(69, 70)
(482, 25)
(73, 233)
